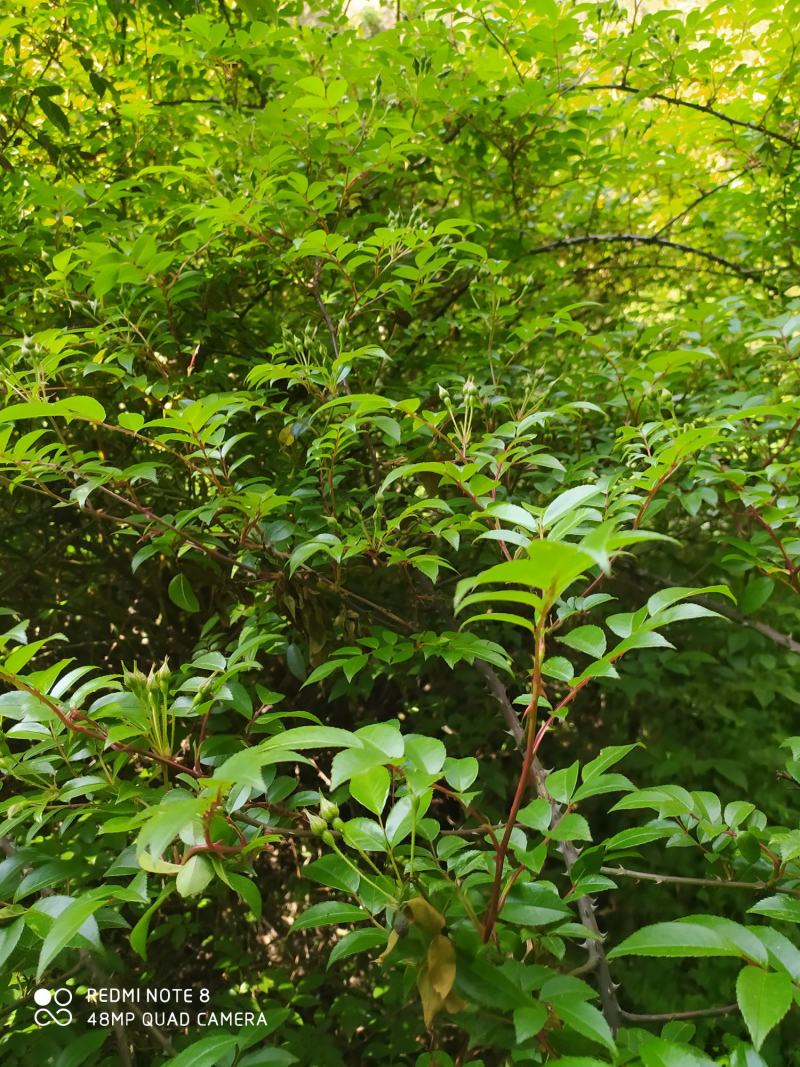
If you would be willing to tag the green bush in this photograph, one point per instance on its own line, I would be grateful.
(401, 489)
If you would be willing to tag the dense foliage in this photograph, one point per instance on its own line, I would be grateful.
(401, 485)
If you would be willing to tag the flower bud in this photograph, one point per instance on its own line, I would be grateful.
(317, 826)
(327, 809)
(135, 682)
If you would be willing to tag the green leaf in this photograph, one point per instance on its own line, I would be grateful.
(175, 812)
(9, 936)
(245, 768)
(359, 759)
(302, 737)
(82, 407)
(194, 876)
(329, 913)
(532, 904)
(207, 1052)
(537, 815)
(460, 773)
(588, 639)
(757, 592)
(568, 501)
(559, 668)
(746, 1056)
(664, 598)
(181, 593)
(571, 827)
(334, 872)
(606, 758)
(364, 834)
(139, 934)
(358, 941)
(513, 513)
(529, 1021)
(248, 891)
(602, 783)
(656, 1052)
(551, 566)
(763, 999)
(561, 783)
(697, 935)
(54, 113)
(426, 754)
(636, 837)
(81, 1050)
(371, 788)
(585, 1019)
(780, 906)
(67, 926)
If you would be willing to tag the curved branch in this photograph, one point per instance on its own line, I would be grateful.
(676, 101)
(663, 242)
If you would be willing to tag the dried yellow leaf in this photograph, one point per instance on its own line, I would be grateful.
(441, 965)
(426, 916)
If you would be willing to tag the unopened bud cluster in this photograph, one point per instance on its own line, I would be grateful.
(328, 817)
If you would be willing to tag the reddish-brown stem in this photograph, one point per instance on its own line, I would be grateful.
(216, 848)
(762, 522)
(203, 730)
(782, 448)
(648, 500)
(71, 721)
(507, 888)
(533, 741)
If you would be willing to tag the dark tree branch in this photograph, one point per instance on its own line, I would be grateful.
(699, 199)
(663, 242)
(676, 101)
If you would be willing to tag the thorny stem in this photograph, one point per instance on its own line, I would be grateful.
(678, 879)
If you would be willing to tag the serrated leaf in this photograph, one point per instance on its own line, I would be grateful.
(588, 639)
(529, 1021)
(460, 773)
(665, 598)
(780, 906)
(656, 1052)
(371, 788)
(571, 827)
(690, 937)
(763, 998)
(585, 1019)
